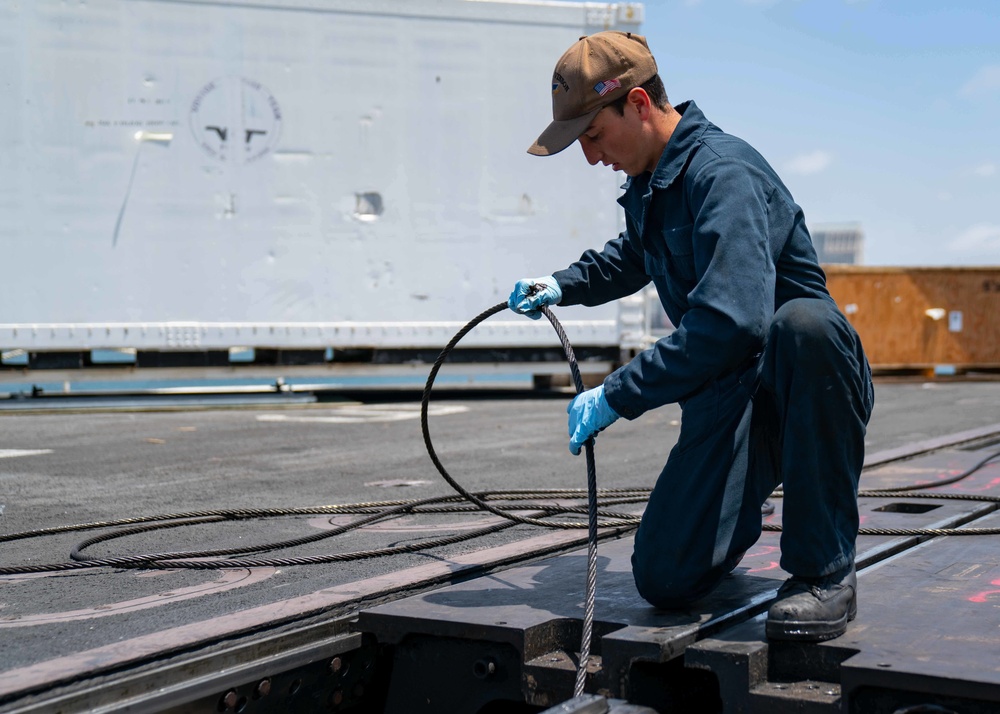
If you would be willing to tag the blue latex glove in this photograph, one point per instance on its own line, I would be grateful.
(589, 413)
(523, 301)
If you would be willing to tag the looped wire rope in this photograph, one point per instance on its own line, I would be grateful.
(592, 523)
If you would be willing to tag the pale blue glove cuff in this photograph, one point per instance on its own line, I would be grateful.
(546, 292)
(589, 413)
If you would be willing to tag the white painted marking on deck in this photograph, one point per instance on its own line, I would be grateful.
(224, 580)
(365, 414)
(397, 483)
(10, 453)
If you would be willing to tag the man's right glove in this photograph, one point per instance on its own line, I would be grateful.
(530, 294)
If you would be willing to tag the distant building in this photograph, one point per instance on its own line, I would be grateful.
(838, 242)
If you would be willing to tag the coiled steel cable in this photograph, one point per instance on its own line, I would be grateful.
(376, 511)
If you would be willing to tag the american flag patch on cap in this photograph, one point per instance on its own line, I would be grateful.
(610, 85)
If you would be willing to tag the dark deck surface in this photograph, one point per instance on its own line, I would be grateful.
(929, 611)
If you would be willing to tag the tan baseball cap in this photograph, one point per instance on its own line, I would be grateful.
(595, 71)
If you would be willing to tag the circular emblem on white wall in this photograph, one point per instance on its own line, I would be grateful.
(235, 119)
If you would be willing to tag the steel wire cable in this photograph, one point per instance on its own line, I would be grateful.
(190, 563)
(152, 560)
(592, 513)
(634, 495)
(908, 492)
(377, 509)
(429, 445)
(936, 484)
(198, 560)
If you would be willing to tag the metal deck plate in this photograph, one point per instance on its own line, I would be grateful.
(530, 618)
(929, 628)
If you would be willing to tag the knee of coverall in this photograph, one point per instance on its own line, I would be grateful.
(815, 336)
(678, 584)
(804, 320)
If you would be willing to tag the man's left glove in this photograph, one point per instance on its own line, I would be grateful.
(589, 413)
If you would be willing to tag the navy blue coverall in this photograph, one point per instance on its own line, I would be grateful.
(772, 380)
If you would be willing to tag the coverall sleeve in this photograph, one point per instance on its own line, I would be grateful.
(601, 276)
(731, 303)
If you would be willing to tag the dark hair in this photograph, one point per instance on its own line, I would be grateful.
(654, 88)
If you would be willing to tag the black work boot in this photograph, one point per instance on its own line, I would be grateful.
(814, 609)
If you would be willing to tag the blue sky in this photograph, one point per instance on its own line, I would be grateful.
(882, 113)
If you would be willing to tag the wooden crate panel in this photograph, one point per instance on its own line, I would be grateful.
(921, 317)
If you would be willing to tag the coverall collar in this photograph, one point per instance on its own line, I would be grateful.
(682, 142)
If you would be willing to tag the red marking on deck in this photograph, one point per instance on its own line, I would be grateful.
(984, 487)
(982, 597)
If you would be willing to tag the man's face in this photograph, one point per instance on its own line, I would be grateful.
(614, 141)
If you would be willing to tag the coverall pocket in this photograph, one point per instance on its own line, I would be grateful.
(680, 251)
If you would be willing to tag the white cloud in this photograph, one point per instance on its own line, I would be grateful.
(980, 237)
(985, 170)
(809, 163)
(985, 81)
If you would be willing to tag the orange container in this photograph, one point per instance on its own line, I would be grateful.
(922, 318)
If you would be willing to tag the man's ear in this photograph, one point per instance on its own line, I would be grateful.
(639, 101)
